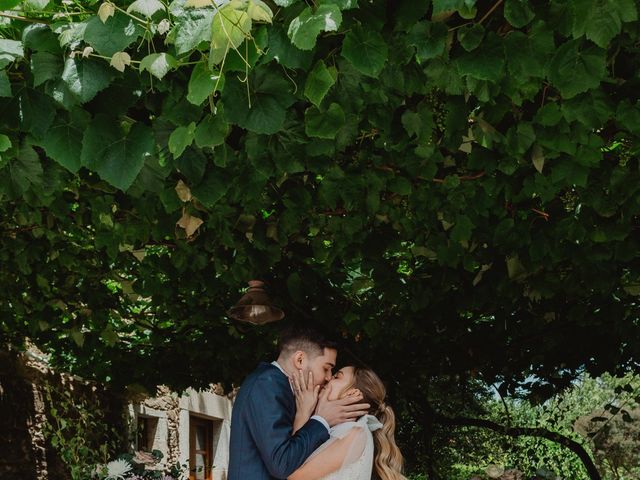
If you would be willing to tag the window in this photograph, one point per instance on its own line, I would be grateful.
(200, 448)
(146, 433)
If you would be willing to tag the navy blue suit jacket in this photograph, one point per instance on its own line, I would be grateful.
(261, 444)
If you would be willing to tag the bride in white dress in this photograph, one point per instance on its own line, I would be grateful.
(357, 449)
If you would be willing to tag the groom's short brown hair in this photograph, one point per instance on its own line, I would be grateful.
(306, 339)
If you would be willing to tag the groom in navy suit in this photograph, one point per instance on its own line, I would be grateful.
(262, 445)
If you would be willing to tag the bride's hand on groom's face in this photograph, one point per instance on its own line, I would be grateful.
(352, 392)
(343, 409)
(306, 394)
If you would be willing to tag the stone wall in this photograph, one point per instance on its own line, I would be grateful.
(25, 453)
(20, 456)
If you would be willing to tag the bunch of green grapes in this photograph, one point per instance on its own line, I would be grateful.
(624, 152)
(569, 200)
(435, 99)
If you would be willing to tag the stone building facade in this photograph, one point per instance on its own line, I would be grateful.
(191, 428)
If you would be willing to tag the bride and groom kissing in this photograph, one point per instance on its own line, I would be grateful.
(294, 419)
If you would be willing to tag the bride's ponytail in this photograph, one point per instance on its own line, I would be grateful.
(388, 461)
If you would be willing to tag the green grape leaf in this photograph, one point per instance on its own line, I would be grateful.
(366, 50)
(284, 52)
(192, 164)
(212, 188)
(443, 8)
(628, 117)
(10, 50)
(471, 37)
(192, 28)
(570, 173)
(45, 66)
(146, 7)
(601, 21)
(627, 9)
(528, 55)
(318, 83)
(341, 4)
(36, 111)
(518, 13)
(37, 4)
(400, 185)
(211, 131)
(39, 38)
(259, 11)
(484, 63)
(305, 28)
(429, 40)
(269, 98)
(461, 231)
(181, 138)
(5, 143)
(324, 124)
(117, 156)
(8, 4)
(575, 69)
(63, 141)
(84, 78)
(202, 83)
(115, 35)
(25, 169)
(158, 64)
(230, 28)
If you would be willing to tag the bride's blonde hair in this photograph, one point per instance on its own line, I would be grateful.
(388, 461)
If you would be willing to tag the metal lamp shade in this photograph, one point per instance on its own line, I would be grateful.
(255, 306)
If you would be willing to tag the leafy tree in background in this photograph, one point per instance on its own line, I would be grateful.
(450, 185)
(465, 452)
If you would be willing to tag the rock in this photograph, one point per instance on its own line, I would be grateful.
(494, 471)
(512, 474)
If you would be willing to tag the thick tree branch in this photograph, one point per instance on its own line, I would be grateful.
(572, 445)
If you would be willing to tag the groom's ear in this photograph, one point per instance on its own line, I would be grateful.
(298, 359)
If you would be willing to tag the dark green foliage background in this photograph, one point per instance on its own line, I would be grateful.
(452, 186)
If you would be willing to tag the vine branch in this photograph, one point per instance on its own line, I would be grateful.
(572, 445)
(462, 178)
(23, 19)
(491, 10)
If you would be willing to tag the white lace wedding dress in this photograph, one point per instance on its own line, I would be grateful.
(358, 463)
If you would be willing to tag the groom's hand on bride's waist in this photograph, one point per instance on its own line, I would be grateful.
(342, 410)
